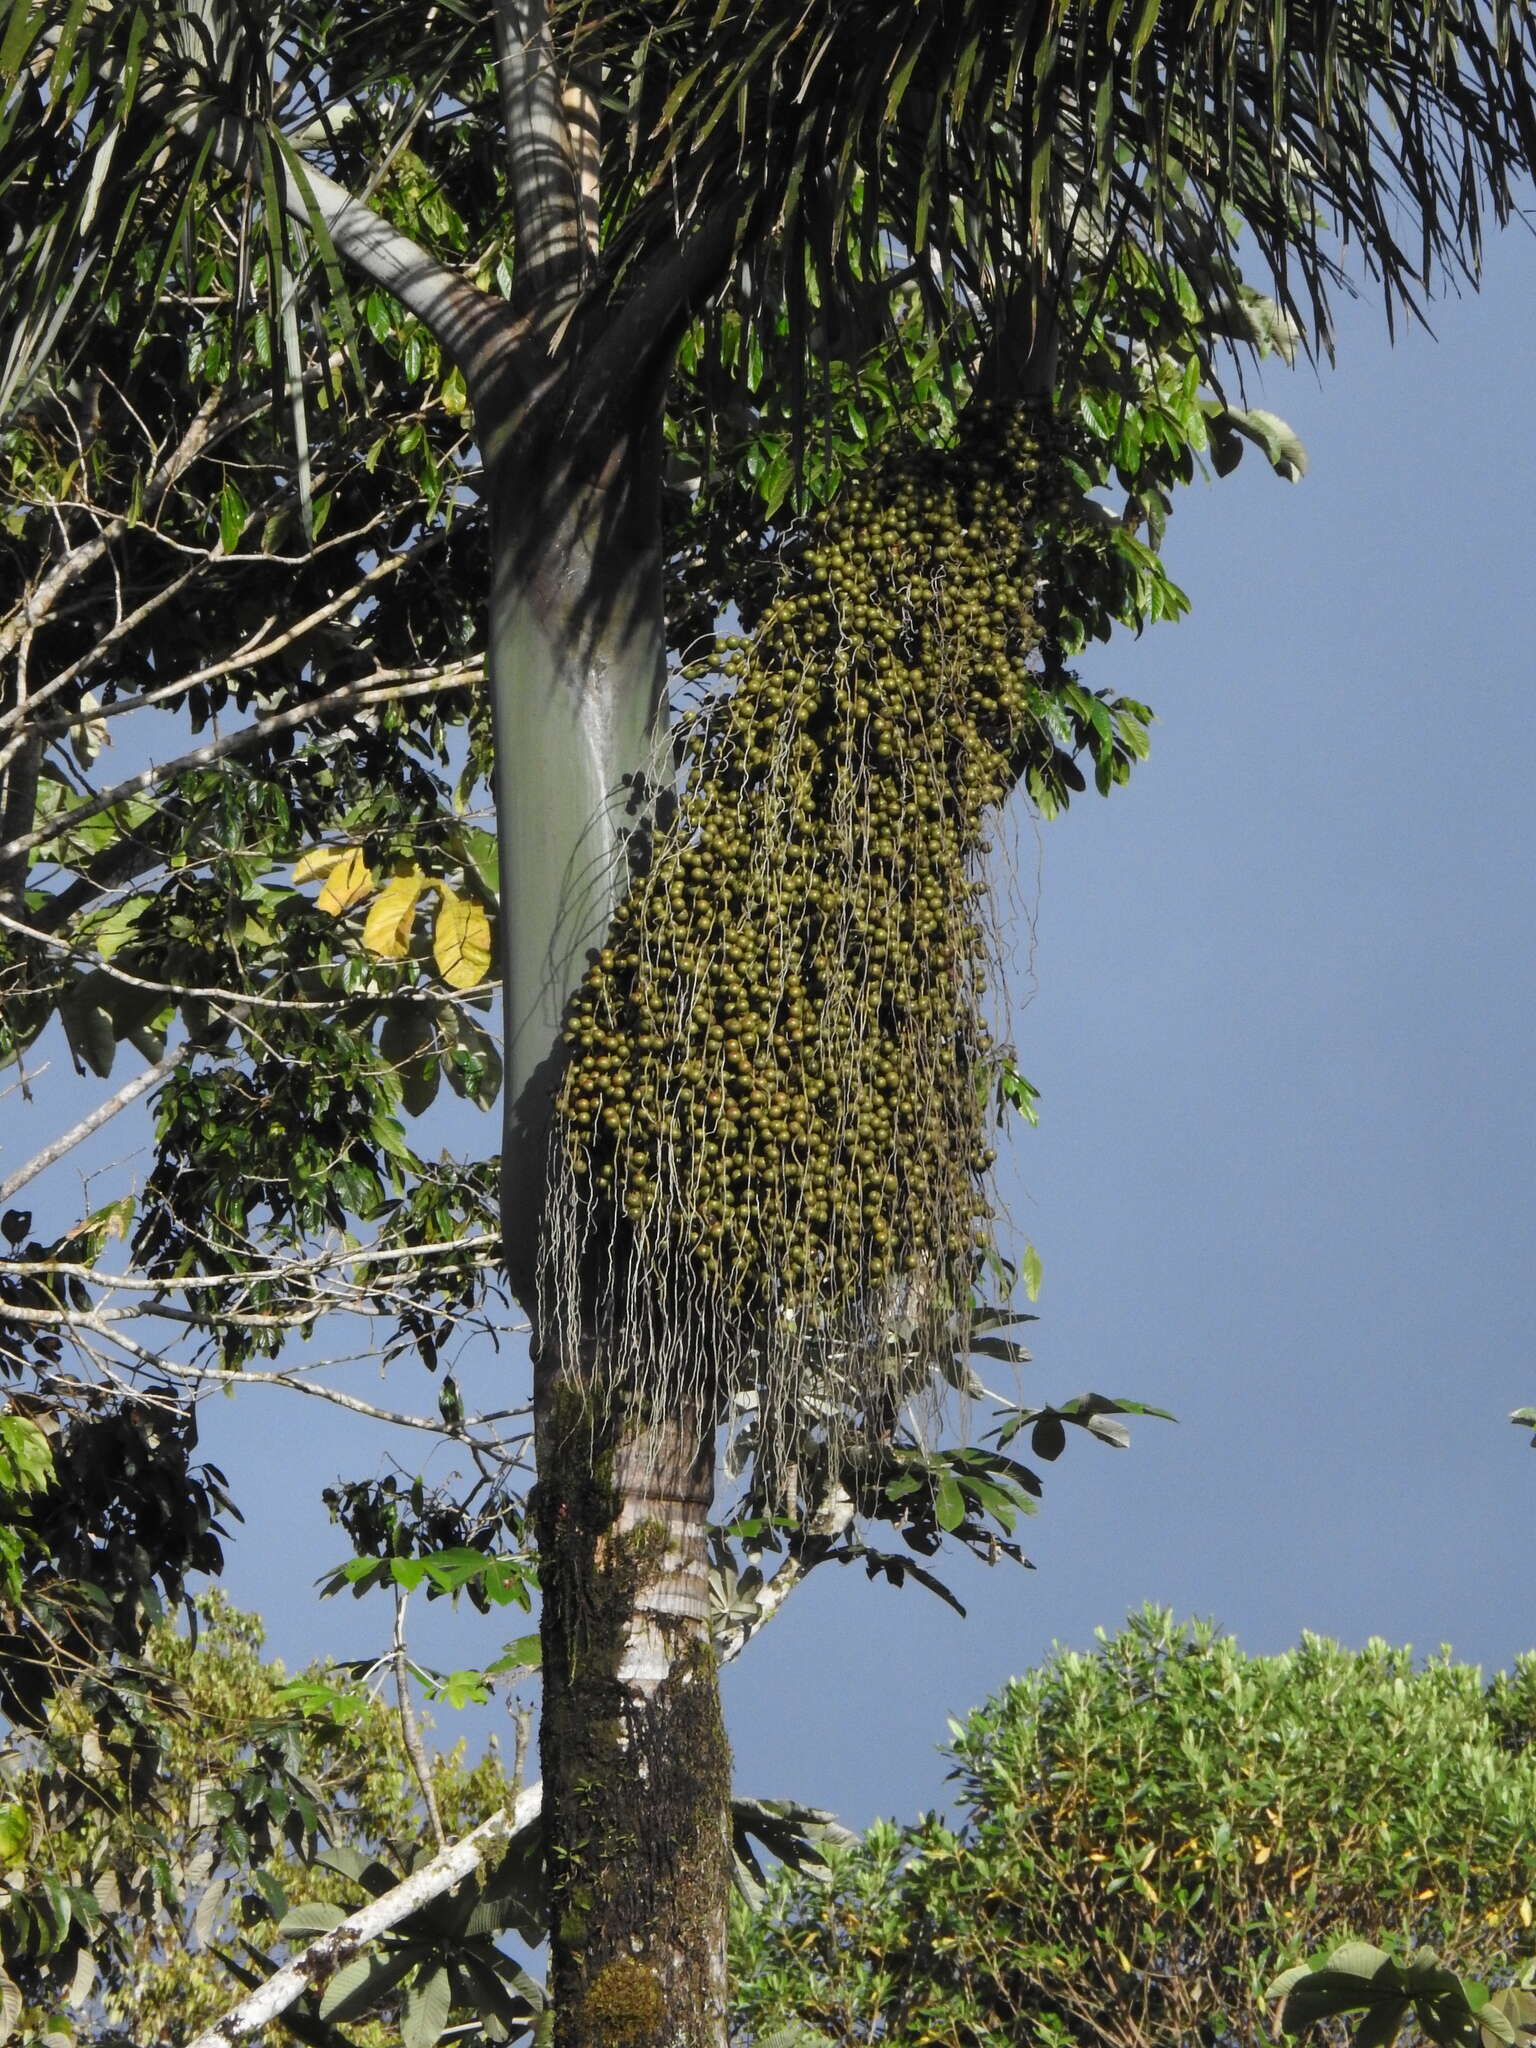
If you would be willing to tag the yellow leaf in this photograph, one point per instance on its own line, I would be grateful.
(349, 882)
(387, 932)
(1262, 1851)
(318, 861)
(461, 940)
(1525, 1912)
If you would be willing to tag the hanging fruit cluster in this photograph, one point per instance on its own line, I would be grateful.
(779, 1069)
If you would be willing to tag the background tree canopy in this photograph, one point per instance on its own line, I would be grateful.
(1148, 1832)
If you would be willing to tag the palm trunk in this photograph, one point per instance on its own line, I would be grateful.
(578, 676)
(635, 1764)
(633, 1749)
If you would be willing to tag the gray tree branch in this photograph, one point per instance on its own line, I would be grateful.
(324, 1956)
(470, 324)
(347, 695)
(101, 1114)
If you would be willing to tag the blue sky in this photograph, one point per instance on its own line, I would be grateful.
(1278, 1006)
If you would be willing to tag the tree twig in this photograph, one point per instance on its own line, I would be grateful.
(410, 1730)
(224, 998)
(103, 1113)
(347, 695)
(38, 603)
(484, 1244)
(812, 1545)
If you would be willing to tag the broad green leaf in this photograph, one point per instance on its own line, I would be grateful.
(1031, 1272)
(1497, 2029)
(1048, 1438)
(1287, 1981)
(360, 1984)
(10, 2007)
(1004, 1349)
(15, 1833)
(1360, 1959)
(428, 2001)
(233, 514)
(109, 933)
(101, 1227)
(1281, 443)
(479, 852)
(948, 1504)
(313, 1917)
(408, 1042)
(525, 1653)
(1380, 2027)
(88, 1028)
(26, 1455)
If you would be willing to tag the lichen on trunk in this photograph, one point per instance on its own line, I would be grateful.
(635, 1761)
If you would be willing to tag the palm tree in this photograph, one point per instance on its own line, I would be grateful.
(812, 198)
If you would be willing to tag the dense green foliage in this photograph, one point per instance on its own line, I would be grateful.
(1149, 1832)
(135, 1906)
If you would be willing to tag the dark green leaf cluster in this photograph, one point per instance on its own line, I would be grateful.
(159, 902)
(1393, 1991)
(979, 157)
(99, 1547)
(143, 1908)
(896, 1484)
(407, 1534)
(281, 1805)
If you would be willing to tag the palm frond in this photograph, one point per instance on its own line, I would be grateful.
(990, 149)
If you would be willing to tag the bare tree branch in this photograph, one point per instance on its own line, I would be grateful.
(484, 1247)
(347, 695)
(458, 1432)
(810, 1546)
(103, 1113)
(324, 1956)
(469, 323)
(410, 1731)
(224, 998)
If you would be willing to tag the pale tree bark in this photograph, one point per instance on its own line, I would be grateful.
(316, 1964)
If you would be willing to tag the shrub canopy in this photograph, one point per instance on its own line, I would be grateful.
(1151, 1831)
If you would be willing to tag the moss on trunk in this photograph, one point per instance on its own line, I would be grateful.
(635, 1761)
